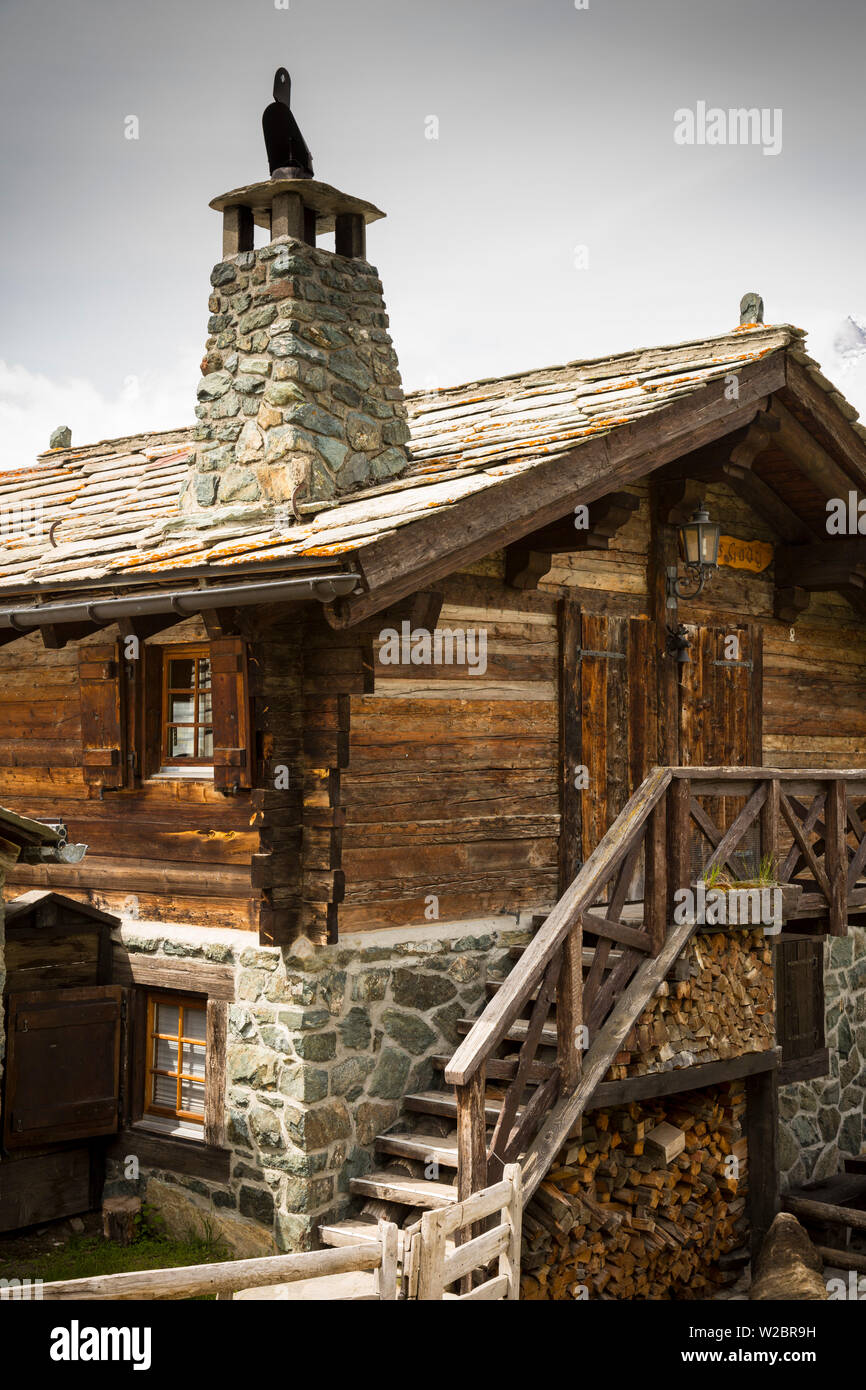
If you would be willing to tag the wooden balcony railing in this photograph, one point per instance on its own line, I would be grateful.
(801, 829)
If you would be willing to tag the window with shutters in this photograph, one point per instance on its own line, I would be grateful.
(176, 1064)
(195, 721)
(187, 707)
(800, 1008)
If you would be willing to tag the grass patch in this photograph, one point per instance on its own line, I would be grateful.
(85, 1256)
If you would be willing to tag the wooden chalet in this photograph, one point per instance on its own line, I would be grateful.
(383, 900)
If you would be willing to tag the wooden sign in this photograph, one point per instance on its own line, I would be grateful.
(745, 555)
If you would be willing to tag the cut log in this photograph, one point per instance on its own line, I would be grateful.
(118, 1218)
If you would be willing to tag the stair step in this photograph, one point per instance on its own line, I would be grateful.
(441, 1103)
(411, 1192)
(504, 1068)
(424, 1147)
(517, 1031)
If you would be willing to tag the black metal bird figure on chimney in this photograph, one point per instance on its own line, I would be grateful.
(288, 155)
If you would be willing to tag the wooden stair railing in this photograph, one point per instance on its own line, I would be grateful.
(803, 821)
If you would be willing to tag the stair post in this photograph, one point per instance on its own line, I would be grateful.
(836, 854)
(471, 1135)
(656, 916)
(569, 1009)
(678, 817)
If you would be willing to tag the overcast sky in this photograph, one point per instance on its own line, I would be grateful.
(555, 132)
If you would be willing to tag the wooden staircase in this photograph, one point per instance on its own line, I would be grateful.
(428, 1133)
(524, 1074)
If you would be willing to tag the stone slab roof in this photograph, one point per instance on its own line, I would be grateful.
(109, 512)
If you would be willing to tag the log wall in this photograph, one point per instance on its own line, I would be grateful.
(416, 792)
(169, 851)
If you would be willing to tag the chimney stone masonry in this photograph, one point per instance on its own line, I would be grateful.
(300, 398)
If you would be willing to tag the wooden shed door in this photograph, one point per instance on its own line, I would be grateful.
(608, 724)
(62, 1065)
(721, 697)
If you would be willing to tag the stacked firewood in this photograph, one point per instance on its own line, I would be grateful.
(724, 1008)
(642, 1203)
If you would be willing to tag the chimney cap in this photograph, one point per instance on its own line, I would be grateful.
(324, 200)
(751, 308)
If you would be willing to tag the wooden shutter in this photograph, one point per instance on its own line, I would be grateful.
(721, 698)
(800, 1007)
(62, 1065)
(103, 742)
(232, 755)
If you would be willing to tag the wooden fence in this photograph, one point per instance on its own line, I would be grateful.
(430, 1266)
(233, 1276)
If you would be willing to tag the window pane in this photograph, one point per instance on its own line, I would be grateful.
(167, 1019)
(205, 743)
(204, 673)
(165, 1092)
(180, 673)
(181, 709)
(165, 1055)
(181, 742)
(195, 1023)
(192, 1097)
(193, 1061)
(204, 709)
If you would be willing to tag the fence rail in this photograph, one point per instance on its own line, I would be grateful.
(233, 1276)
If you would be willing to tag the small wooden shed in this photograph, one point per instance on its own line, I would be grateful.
(63, 1020)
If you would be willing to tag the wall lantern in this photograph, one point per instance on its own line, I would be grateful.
(699, 543)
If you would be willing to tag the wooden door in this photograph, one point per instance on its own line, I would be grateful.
(62, 1066)
(721, 697)
(608, 724)
(721, 722)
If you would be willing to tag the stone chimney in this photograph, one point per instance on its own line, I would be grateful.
(300, 397)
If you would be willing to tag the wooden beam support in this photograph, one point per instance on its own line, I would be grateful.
(350, 235)
(220, 622)
(148, 625)
(762, 1138)
(56, 637)
(529, 559)
(823, 565)
(287, 216)
(789, 603)
(237, 230)
(811, 458)
(809, 394)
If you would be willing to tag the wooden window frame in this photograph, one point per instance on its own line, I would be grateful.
(137, 1055)
(180, 1002)
(196, 651)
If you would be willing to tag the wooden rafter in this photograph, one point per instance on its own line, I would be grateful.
(529, 559)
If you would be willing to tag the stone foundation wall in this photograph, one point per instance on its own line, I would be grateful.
(321, 1049)
(821, 1121)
